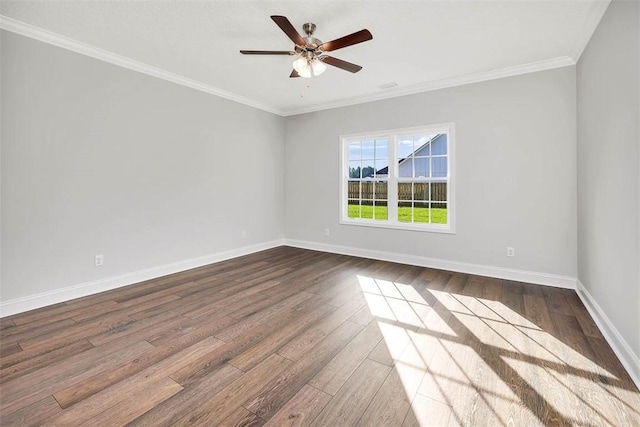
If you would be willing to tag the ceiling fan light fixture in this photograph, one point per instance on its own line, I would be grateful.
(318, 67)
(306, 67)
(301, 65)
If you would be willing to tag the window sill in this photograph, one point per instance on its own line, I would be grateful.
(431, 228)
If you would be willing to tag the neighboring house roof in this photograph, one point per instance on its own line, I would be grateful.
(385, 170)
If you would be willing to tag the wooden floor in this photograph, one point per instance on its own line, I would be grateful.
(293, 337)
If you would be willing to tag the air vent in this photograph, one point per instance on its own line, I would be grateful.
(388, 85)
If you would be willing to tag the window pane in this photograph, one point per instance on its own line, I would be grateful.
(381, 211)
(421, 191)
(421, 146)
(382, 167)
(366, 210)
(366, 190)
(405, 211)
(380, 190)
(354, 169)
(439, 167)
(354, 190)
(354, 151)
(421, 167)
(439, 145)
(353, 209)
(405, 148)
(368, 150)
(382, 148)
(405, 168)
(421, 212)
(420, 140)
(368, 169)
(439, 191)
(439, 213)
(405, 191)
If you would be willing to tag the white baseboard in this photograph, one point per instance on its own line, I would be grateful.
(441, 264)
(19, 305)
(620, 347)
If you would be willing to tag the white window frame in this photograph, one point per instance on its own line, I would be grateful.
(392, 181)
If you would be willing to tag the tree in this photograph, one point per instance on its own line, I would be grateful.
(367, 172)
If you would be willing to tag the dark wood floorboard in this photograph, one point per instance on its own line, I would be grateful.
(291, 337)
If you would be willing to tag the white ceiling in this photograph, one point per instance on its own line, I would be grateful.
(420, 45)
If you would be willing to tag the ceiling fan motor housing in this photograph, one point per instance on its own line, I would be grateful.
(313, 45)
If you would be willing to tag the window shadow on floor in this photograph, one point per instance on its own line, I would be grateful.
(495, 352)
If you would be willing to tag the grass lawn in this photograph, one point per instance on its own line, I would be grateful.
(438, 215)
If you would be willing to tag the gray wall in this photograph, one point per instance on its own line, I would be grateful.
(608, 164)
(515, 179)
(97, 159)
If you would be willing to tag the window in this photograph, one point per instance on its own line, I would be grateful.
(399, 179)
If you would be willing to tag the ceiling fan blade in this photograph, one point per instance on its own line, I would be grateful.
(267, 52)
(347, 66)
(294, 73)
(351, 39)
(288, 29)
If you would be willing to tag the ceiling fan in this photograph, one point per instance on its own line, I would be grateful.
(311, 51)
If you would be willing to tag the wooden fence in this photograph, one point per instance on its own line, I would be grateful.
(369, 190)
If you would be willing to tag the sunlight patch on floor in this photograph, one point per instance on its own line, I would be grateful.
(463, 358)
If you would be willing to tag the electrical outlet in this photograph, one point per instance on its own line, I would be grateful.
(327, 232)
(243, 235)
(511, 252)
(99, 260)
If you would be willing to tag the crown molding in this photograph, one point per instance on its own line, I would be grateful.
(563, 61)
(594, 16)
(58, 40)
(55, 39)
